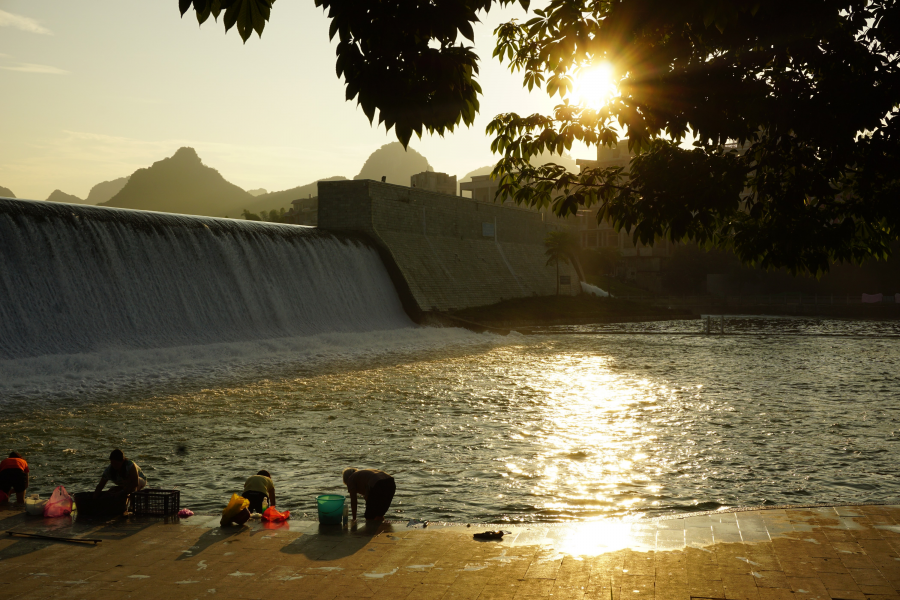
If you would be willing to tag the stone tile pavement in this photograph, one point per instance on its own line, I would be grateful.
(822, 553)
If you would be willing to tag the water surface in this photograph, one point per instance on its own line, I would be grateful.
(553, 427)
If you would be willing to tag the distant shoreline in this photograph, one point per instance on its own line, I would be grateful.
(548, 311)
(542, 311)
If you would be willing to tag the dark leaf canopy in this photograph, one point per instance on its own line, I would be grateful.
(790, 106)
(247, 15)
(404, 59)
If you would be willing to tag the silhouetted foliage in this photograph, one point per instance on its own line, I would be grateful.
(563, 246)
(807, 90)
(247, 15)
(272, 216)
(400, 57)
(793, 106)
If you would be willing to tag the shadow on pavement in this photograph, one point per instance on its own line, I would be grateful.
(115, 528)
(334, 543)
(215, 535)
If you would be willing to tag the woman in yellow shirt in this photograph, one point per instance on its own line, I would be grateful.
(257, 488)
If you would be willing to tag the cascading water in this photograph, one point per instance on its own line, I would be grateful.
(78, 279)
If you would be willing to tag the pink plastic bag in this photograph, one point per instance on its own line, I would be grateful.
(59, 504)
(276, 517)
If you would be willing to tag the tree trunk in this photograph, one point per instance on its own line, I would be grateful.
(557, 276)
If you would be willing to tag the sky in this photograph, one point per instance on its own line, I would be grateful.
(92, 91)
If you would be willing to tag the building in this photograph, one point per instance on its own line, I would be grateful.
(637, 262)
(434, 182)
(482, 188)
(305, 211)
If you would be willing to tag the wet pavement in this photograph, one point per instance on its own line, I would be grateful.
(792, 553)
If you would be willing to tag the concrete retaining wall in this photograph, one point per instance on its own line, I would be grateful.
(452, 252)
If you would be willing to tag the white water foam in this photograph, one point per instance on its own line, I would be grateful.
(87, 279)
(113, 372)
(96, 300)
(593, 290)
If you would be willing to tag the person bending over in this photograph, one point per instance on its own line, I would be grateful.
(125, 475)
(257, 488)
(376, 487)
(14, 476)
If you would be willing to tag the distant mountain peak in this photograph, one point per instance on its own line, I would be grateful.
(182, 184)
(186, 154)
(394, 163)
(105, 190)
(60, 196)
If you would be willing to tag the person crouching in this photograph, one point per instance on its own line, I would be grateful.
(376, 487)
(14, 476)
(125, 475)
(257, 488)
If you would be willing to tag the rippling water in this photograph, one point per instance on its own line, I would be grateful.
(552, 427)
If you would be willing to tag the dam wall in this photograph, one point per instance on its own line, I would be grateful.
(77, 279)
(450, 252)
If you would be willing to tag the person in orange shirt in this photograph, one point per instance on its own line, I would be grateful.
(14, 476)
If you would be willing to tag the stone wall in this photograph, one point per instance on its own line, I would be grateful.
(452, 252)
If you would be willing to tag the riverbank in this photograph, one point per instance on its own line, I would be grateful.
(791, 553)
(566, 310)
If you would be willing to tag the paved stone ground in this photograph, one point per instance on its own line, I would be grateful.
(825, 553)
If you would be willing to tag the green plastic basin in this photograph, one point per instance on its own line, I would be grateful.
(331, 509)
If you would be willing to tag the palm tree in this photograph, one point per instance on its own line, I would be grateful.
(563, 246)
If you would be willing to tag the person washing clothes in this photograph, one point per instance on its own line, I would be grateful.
(125, 475)
(14, 476)
(257, 488)
(376, 487)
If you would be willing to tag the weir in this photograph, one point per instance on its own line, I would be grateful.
(448, 252)
(81, 278)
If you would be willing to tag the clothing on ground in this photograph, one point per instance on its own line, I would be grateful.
(120, 478)
(380, 496)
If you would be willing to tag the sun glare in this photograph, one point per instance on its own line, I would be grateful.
(594, 88)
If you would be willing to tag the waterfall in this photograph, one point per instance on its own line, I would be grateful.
(77, 279)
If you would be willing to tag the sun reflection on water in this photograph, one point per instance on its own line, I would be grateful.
(592, 436)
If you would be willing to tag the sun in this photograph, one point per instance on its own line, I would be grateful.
(595, 87)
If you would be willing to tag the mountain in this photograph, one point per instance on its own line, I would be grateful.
(565, 160)
(394, 163)
(6, 192)
(105, 190)
(542, 159)
(283, 198)
(482, 171)
(182, 184)
(257, 192)
(58, 196)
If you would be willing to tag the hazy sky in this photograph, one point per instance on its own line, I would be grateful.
(91, 91)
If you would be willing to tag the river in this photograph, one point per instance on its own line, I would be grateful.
(572, 424)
